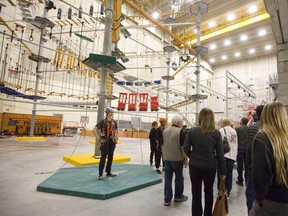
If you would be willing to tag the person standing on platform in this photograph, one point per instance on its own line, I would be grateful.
(106, 130)
(152, 138)
(159, 140)
(242, 135)
(175, 158)
(252, 131)
(203, 145)
(270, 164)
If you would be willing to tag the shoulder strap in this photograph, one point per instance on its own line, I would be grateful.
(224, 131)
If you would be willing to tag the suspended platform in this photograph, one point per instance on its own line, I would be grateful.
(190, 100)
(96, 61)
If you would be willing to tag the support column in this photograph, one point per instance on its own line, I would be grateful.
(197, 72)
(104, 70)
(282, 66)
(40, 52)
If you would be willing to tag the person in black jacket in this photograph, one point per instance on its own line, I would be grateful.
(252, 131)
(270, 164)
(152, 138)
(203, 145)
(242, 135)
(159, 140)
(107, 130)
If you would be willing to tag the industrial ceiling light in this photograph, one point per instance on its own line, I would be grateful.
(268, 47)
(243, 37)
(213, 46)
(227, 42)
(212, 24)
(224, 57)
(237, 54)
(262, 32)
(252, 9)
(155, 15)
(251, 51)
(212, 60)
(231, 17)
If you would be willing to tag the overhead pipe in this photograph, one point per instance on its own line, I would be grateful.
(127, 27)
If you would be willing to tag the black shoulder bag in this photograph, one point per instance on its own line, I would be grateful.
(226, 144)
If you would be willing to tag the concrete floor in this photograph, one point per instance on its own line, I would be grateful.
(21, 163)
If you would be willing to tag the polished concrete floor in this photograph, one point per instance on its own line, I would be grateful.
(24, 165)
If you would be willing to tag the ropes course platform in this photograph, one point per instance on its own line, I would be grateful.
(89, 159)
(31, 138)
(83, 181)
(94, 142)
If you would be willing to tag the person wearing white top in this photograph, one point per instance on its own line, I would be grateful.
(230, 157)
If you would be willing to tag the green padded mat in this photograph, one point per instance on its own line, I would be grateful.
(83, 181)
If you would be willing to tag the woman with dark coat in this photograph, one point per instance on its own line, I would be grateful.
(204, 147)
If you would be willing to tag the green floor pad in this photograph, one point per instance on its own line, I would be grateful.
(83, 181)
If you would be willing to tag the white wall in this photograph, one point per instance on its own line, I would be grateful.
(254, 73)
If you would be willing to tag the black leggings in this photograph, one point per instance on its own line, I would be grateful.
(106, 150)
(197, 176)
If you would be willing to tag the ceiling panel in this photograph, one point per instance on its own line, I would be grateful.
(218, 10)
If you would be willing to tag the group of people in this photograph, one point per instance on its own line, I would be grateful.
(261, 148)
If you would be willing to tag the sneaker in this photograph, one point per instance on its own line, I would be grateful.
(167, 203)
(183, 198)
(110, 175)
(239, 183)
(100, 178)
(158, 171)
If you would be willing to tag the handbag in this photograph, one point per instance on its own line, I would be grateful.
(221, 205)
(226, 145)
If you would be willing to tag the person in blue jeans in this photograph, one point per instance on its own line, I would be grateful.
(175, 158)
(242, 135)
(230, 157)
(252, 131)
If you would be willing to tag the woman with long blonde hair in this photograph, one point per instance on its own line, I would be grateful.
(270, 163)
